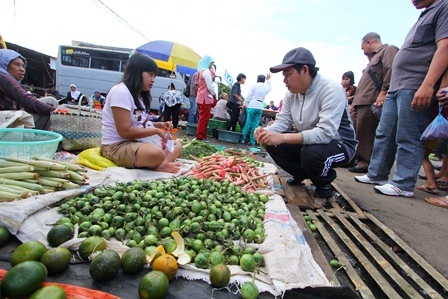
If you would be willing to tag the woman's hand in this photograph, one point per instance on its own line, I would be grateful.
(168, 126)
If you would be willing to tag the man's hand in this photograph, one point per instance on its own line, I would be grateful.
(422, 98)
(442, 96)
(380, 99)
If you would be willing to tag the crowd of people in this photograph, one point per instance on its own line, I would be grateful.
(408, 84)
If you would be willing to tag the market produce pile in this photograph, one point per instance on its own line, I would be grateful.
(22, 178)
(207, 214)
(210, 219)
(164, 223)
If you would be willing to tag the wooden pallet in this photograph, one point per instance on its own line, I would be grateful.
(362, 244)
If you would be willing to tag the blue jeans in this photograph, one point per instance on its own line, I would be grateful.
(398, 137)
(253, 118)
(193, 112)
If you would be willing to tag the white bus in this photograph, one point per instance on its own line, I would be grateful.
(91, 68)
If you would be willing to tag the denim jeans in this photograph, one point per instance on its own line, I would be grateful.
(398, 138)
(193, 113)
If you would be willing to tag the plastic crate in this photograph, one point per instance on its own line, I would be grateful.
(229, 136)
(191, 129)
(28, 143)
(215, 124)
(218, 124)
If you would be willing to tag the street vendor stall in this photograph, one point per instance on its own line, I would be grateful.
(288, 261)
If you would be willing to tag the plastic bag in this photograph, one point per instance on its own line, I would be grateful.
(242, 117)
(169, 142)
(92, 158)
(437, 129)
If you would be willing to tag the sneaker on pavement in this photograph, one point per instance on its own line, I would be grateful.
(367, 180)
(392, 190)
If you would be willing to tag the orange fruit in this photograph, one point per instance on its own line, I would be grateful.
(153, 285)
(220, 275)
(167, 264)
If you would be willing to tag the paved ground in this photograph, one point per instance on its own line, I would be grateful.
(421, 225)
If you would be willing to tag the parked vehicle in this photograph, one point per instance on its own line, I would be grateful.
(91, 69)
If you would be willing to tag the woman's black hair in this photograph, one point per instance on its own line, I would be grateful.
(132, 78)
(240, 76)
(313, 70)
(349, 75)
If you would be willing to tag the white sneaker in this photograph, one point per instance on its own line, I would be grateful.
(391, 190)
(367, 180)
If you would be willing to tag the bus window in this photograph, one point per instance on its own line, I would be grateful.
(93, 69)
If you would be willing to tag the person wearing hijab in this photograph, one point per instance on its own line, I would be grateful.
(13, 96)
(206, 96)
(73, 95)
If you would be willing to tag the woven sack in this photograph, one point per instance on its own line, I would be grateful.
(81, 129)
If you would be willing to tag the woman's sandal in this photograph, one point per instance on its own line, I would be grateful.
(438, 201)
(442, 185)
(426, 189)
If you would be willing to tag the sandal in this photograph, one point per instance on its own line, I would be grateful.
(438, 201)
(442, 185)
(425, 188)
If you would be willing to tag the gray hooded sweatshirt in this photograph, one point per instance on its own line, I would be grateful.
(321, 115)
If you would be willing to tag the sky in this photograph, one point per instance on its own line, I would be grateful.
(244, 36)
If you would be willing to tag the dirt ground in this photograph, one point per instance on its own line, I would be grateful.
(421, 225)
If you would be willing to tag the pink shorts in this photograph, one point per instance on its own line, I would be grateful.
(122, 153)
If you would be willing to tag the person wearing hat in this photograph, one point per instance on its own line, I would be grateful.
(254, 107)
(318, 108)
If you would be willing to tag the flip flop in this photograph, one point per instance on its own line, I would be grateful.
(442, 185)
(437, 202)
(423, 177)
(424, 188)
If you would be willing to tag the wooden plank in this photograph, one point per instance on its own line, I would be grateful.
(376, 275)
(357, 281)
(348, 199)
(297, 195)
(411, 252)
(318, 255)
(318, 202)
(278, 185)
(387, 250)
(382, 262)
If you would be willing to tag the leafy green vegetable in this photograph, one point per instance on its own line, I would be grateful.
(198, 149)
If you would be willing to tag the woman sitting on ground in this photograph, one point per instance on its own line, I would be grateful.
(13, 96)
(126, 123)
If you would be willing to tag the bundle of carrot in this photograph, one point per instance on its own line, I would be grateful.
(22, 178)
(234, 169)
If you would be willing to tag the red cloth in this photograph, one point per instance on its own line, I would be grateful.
(204, 117)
